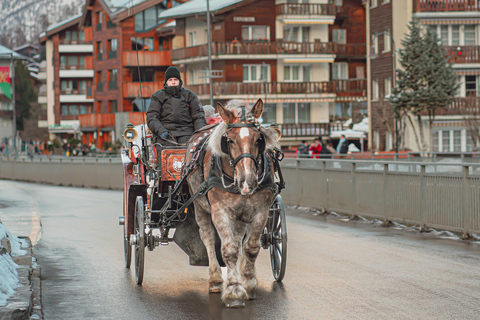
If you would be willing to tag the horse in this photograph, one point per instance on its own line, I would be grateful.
(239, 144)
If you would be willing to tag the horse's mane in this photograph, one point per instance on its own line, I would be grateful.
(235, 106)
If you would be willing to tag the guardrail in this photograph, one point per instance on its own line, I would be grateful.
(438, 195)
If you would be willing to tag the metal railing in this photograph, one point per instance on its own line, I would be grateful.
(438, 195)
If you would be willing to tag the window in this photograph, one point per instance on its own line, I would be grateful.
(296, 34)
(291, 73)
(83, 109)
(112, 79)
(306, 73)
(112, 48)
(98, 80)
(444, 35)
(72, 60)
(112, 106)
(148, 18)
(64, 110)
(296, 112)
(339, 36)
(98, 16)
(339, 3)
(375, 43)
(73, 110)
(469, 35)
(343, 110)
(191, 76)
(470, 85)
(455, 35)
(305, 34)
(387, 86)
(373, 3)
(387, 41)
(269, 114)
(146, 75)
(148, 44)
(99, 106)
(385, 1)
(192, 38)
(256, 73)
(63, 62)
(374, 90)
(339, 71)
(99, 50)
(255, 33)
(162, 44)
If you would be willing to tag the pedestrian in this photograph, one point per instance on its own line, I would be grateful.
(175, 113)
(302, 150)
(342, 147)
(316, 148)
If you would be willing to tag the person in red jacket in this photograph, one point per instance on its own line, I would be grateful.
(316, 148)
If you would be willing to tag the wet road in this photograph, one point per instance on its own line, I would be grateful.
(335, 270)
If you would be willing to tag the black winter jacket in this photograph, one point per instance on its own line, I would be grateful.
(176, 110)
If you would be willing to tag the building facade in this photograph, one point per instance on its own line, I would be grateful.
(305, 60)
(457, 23)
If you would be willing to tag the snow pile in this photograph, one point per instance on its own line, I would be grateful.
(8, 268)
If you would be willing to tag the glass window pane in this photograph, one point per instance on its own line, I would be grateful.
(455, 35)
(306, 73)
(270, 113)
(81, 35)
(264, 73)
(445, 141)
(68, 35)
(245, 35)
(72, 60)
(444, 35)
(305, 34)
(435, 141)
(469, 36)
(82, 61)
(139, 26)
(73, 110)
(148, 44)
(457, 141)
(83, 85)
(83, 109)
(63, 60)
(74, 35)
(64, 110)
(63, 85)
(335, 71)
(286, 73)
(150, 18)
(303, 112)
(295, 73)
(245, 73)
(471, 85)
(288, 112)
(259, 33)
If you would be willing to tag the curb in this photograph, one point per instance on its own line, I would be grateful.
(25, 303)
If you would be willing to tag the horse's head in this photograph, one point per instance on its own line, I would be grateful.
(243, 142)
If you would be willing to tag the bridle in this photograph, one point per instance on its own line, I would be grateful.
(243, 123)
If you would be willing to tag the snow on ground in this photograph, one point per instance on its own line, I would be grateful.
(8, 268)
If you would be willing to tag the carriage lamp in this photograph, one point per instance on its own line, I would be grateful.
(130, 134)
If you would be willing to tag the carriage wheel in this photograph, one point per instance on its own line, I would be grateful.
(140, 239)
(277, 238)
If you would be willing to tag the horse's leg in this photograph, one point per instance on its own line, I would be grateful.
(234, 294)
(251, 250)
(207, 233)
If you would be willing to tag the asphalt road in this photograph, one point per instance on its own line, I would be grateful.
(335, 270)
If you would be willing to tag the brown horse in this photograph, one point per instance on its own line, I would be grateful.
(239, 218)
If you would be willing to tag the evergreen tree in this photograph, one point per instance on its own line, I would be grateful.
(24, 93)
(426, 81)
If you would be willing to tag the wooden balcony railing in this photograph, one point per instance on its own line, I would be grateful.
(446, 5)
(146, 58)
(274, 47)
(461, 106)
(305, 9)
(464, 54)
(304, 129)
(97, 120)
(132, 89)
(355, 87)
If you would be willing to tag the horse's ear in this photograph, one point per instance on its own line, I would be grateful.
(227, 116)
(257, 109)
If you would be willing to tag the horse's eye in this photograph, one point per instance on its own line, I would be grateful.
(229, 140)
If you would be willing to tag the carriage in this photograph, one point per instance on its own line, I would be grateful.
(158, 205)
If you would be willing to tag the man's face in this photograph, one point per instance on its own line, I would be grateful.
(173, 82)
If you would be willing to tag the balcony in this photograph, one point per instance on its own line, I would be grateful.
(296, 130)
(461, 106)
(464, 54)
(306, 9)
(352, 87)
(76, 71)
(75, 46)
(132, 89)
(267, 49)
(96, 120)
(146, 58)
(446, 5)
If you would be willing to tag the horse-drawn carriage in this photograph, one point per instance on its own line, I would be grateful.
(228, 177)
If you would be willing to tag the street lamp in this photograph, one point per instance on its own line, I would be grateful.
(374, 56)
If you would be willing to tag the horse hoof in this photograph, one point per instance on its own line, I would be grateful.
(215, 287)
(235, 303)
(251, 295)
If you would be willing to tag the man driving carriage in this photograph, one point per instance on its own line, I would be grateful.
(175, 113)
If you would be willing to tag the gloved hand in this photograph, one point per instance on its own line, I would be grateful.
(164, 135)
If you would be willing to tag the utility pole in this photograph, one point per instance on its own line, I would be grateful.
(209, 43)
(12, 75)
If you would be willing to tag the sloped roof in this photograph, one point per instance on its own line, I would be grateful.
(63, 23)
(120, 5)
(197, 7)
(5, 54)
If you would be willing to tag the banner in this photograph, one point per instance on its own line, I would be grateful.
(5, 81)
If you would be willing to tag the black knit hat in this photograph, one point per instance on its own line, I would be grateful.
(172, 72)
